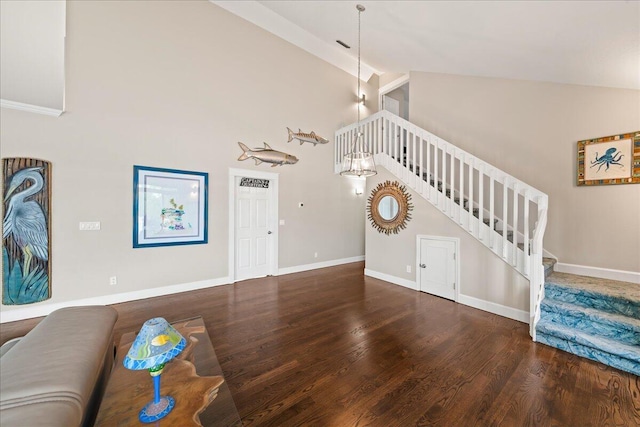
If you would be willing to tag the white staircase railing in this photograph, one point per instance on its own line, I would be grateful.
(507, 215)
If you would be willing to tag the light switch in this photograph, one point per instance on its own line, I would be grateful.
(282, 222)
(90, 226)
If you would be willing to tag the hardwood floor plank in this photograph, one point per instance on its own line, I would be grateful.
(332, 347)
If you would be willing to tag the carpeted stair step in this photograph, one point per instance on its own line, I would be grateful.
(624, 329)
(548, 264)
(591, 292)
(604, 350)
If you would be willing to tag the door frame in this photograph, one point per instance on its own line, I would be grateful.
(456, 242)
(390, 87)
(273, 217)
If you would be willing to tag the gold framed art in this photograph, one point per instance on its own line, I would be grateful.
(609, 160)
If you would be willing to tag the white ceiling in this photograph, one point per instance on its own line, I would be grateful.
(594, 43)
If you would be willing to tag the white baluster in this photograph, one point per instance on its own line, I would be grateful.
(444, 177)
(505, 218)
(452, 181)
(471, 201)
(421, 166)
(414, 163)
(428, 179)
(515, 223)
(527, 244)
(461, 195)
(492, 202)
(481, 234)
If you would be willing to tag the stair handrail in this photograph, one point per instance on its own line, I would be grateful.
(403, 156)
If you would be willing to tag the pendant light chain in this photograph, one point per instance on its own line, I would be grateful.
(360, 9)
(358, 162)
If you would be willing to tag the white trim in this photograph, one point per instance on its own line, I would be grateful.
(390, 87)
(267, 19)
(492, 307)
(273, 216)
(13, 105)
(456, 241)
(43, 309)
(391, 279)
(394, 84)
(315, 266)
(547, 254)
(38, 310)
(602, 273)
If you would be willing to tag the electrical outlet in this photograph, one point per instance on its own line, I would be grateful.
(408, 269)
(113, 280)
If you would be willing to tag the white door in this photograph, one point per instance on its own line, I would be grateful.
(437, 267)
(252, 231)
(391, 105)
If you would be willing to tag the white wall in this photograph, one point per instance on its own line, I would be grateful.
(177, 85)
(530, 130)
(32, 52)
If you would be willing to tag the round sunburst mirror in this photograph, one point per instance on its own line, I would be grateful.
(389, 207)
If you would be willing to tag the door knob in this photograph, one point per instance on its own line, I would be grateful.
(269, 232)
(423, 265)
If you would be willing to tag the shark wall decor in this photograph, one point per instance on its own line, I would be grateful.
(267, 155)
(306, 137)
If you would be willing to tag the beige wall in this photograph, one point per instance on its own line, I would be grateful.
(483, 275)
(529, 130)
(177, 85)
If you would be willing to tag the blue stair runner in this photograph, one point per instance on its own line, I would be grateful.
(594, 318)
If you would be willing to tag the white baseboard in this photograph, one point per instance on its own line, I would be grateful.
(492, 307)
(391, 279)
(602, 273)
(5, 103)
(315, 266)
(43, 309)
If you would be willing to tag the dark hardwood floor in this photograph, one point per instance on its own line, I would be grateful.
(332, 347)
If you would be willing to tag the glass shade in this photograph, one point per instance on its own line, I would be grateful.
(156, 343)
(358, 164)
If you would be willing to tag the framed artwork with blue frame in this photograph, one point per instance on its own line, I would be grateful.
(170, 207)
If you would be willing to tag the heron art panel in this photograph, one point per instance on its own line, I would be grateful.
(26, 231)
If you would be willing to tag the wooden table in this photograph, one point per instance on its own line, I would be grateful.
(194, 379)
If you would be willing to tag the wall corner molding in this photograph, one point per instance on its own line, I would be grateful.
(13, 105)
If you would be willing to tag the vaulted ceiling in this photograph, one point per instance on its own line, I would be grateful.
(594, 43)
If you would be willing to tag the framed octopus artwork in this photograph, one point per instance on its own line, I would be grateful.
(609, 160)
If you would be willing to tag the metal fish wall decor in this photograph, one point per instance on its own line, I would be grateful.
(267, 155)
(306, 137)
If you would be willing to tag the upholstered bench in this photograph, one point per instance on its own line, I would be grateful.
(56, 374)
